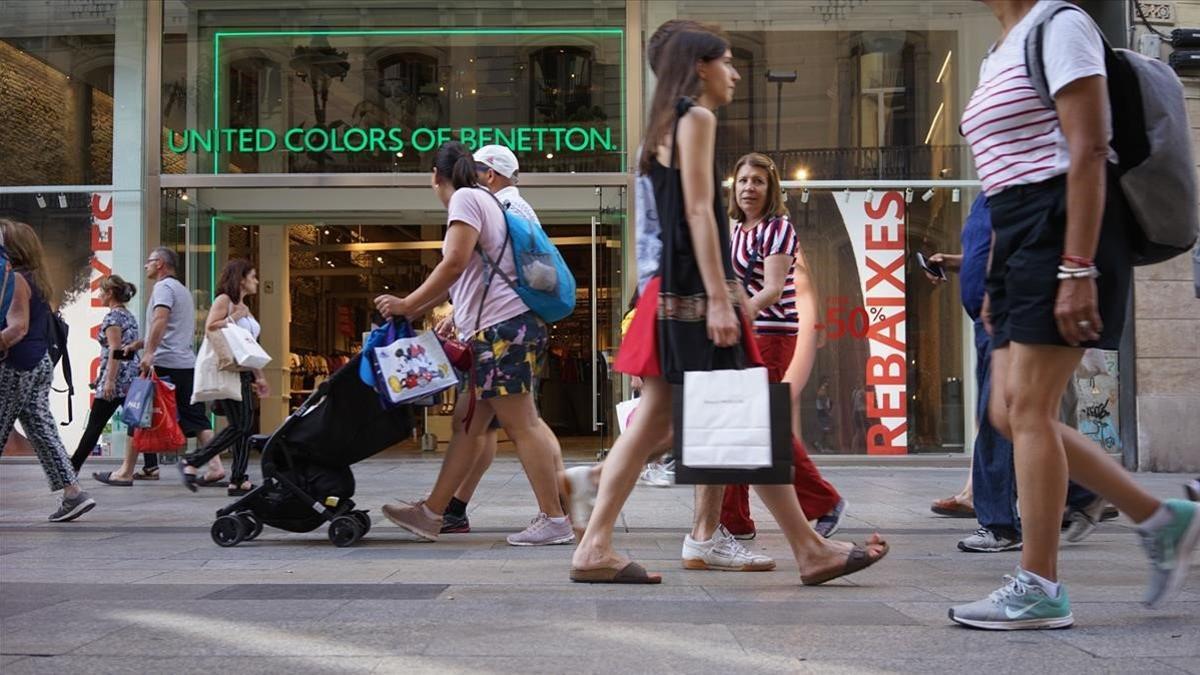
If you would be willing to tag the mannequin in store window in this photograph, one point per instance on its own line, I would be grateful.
(508, 342)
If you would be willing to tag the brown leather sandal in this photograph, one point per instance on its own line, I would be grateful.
(858, 560)
(631, 573)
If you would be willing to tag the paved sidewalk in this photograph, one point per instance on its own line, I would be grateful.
(138, 586)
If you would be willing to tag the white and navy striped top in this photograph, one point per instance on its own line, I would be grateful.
(751, 248)
(1015, 138)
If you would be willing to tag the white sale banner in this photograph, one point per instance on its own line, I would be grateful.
(875, 223)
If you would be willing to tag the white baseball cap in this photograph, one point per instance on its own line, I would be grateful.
(499, 159)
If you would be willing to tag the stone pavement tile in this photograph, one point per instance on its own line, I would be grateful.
(587, 663)
(12, 607)
(199, 665)
(1087, 614)
(591, 637)
(107, 574)
(900, 642)
(752, 613)
(573, 591)
(460, 572)
(201, 547)
(276, 592)
(451, 610)
(52, 630)
(792, 591)
(298, 572)
(104, 592)
(1187, 665)
(7, 660)
(1163, 636)
(1002, 665)
(404, 553)
(153, 632)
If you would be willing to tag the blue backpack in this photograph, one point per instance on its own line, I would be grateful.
(544, 282)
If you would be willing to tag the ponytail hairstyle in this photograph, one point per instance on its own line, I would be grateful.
(678, 78)
(455, 163)
(122, 291)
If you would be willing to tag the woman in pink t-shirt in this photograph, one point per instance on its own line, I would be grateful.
(508, 342)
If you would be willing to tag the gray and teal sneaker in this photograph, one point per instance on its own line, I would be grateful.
(1020, 604)
(1170, 549)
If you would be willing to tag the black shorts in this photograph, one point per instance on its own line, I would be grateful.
(1030, 224)
(193, 418)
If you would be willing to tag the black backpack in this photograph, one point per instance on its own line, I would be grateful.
(56, 336)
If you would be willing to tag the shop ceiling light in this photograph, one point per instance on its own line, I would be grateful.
(804, 196)
(955, 195)
(62, 201)
(928, 195)
(908, 195)
(41, 201)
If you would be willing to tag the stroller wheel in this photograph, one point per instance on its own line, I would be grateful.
(345, 531)
(228, 531)
(251, 525)
(363, 520)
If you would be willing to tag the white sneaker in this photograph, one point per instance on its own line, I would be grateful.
(581, 496)
(544, 531)
(655, 476)
(722, 552)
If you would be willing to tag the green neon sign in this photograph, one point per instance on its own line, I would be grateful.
(370, 140)
(603, 142)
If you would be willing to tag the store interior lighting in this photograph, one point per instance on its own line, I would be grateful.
(908, 195)
(955, 195)
(62, 201)
(41, 201)
(804, 196)
(928, 195)
(870, 195)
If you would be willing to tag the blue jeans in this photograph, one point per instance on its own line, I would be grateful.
(992, 475)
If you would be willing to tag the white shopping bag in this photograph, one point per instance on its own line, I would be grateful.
(726, 419)
(209, 382)
(625, 412)
(412, 368)
(245, 349)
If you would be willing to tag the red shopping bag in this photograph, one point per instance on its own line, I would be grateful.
(163, 434)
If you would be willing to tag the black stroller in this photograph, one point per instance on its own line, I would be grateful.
(307, 479)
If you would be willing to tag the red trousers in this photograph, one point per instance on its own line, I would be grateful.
(817, 496)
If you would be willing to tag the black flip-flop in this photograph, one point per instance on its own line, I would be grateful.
(107, 479)
(189, 479)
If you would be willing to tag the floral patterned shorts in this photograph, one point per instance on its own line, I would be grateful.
(509, 355)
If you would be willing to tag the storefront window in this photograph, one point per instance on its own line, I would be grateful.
(868, 94)
(57, 85)
(322, 88)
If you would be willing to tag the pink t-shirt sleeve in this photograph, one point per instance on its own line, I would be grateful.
(465, 207)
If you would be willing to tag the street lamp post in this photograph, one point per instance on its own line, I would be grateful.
(779, 77)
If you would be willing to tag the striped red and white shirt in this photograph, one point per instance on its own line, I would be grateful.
(751, 248)
(1014, 137)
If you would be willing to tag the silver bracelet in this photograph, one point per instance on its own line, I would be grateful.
(1065, 273)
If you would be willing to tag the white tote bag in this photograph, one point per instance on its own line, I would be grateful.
(625, 412)
(209, 382)
(412, 368)
(726, 419)
(245, 349)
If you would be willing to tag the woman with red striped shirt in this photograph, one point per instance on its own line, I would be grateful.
(768, 261)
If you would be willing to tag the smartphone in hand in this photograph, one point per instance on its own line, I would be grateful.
(934, 269)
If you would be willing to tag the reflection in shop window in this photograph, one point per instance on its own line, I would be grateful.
(411, 89)
(561, 88)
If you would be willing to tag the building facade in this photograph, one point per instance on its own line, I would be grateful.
(300, 134)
